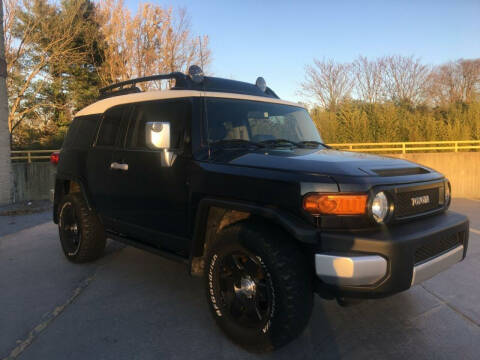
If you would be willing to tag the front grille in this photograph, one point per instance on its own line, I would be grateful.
(438, 246)
(404, 206)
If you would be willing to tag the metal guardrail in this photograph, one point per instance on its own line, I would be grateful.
(413, 146)
(400, 147)
(31, 155)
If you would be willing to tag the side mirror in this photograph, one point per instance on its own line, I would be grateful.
(157, 135)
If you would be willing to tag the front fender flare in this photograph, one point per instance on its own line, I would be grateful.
(298, 229)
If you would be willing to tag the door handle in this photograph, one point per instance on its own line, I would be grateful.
(118, 166)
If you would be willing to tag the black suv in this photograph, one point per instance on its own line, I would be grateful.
(235, 183)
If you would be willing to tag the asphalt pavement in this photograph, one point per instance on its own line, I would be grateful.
(135, 305)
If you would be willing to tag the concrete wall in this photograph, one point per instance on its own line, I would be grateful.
(462, 169)
(32, 181)
(5, 173)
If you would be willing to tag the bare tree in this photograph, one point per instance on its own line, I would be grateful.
(445, 84)
(369, 79)
(406, 79)
(155, 40)
(457, 81)
(327, 81)
(182, 49)
(470, 84)
(117, 30)
(5, 166)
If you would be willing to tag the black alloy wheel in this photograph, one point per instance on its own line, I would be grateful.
(246, 291)
(258, 285)
(70, 230)
(82, 235)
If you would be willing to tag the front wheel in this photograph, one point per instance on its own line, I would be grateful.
(259, 286)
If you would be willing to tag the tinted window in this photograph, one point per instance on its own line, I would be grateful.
(175, 112)
(258, 121)
(85, 131)
(110, 127)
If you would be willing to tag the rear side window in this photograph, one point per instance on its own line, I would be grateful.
(175, 112)
(110, 127)
(85, 131)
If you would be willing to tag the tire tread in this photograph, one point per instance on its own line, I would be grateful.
(93, 240)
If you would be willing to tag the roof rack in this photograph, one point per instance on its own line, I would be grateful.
(194, 80)
(109, 90)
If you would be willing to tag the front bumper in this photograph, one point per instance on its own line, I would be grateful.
(369, 264)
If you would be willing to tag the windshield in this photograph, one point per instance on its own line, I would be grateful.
(258, 122)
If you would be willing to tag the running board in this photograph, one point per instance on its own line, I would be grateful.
(149, 248)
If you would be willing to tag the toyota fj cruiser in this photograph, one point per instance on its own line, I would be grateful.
(236, 183)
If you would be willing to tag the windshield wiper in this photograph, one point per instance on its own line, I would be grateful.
(278, 142)
(237, 142)
(267, 143)
(285, 142)
(312, 142)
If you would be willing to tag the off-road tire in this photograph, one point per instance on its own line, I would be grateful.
(291, 282)
(92, 235)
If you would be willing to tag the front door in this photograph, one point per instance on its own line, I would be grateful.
(154, 199)
(99, 161)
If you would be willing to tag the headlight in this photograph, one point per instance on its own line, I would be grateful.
(448, 195)
(380, 207)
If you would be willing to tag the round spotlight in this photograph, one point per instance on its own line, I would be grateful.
(261, 84)
(380, 207)
(196, 73)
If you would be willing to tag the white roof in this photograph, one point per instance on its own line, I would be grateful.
(101, 106)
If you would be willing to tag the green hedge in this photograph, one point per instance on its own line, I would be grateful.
(388, 122)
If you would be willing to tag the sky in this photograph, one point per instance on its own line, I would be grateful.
(277, 39)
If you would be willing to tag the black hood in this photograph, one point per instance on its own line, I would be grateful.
(325, 161)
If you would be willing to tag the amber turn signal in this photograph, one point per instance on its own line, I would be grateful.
(323, 204)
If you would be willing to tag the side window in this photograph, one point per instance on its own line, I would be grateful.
(175, 112)
(86, 131)
(110, 127)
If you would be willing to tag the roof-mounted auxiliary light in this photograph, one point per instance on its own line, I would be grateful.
(196, 74)
(261, 84)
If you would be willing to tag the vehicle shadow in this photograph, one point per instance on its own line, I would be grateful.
(174, 304)
(165, 310)
(374, 328)
(145, 307)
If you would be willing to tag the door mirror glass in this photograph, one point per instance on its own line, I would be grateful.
(157, 135)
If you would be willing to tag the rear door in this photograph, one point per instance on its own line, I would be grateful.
(99, 163)
(154, 199)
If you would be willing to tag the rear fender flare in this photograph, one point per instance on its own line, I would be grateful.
(60, 190)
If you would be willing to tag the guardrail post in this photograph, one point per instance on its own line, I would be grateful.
(404, 148)
(29, 157)
(456, 146)
(350, 147)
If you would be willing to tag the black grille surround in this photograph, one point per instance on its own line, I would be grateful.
(408, 204)
(438, 247)
(404, 206)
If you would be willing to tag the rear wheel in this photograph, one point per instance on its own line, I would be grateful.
(81, 233)
(259, 286)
